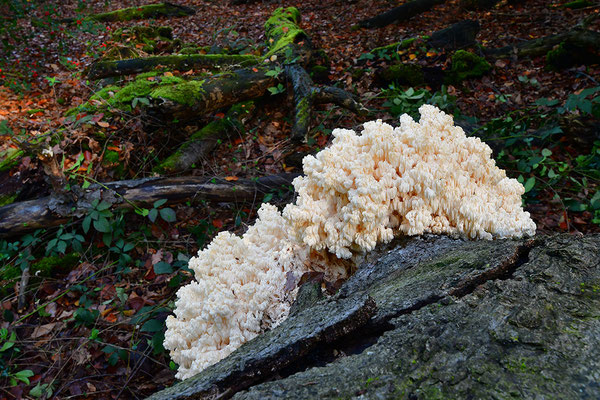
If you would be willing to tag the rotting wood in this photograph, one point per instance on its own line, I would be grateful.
(398, 14)
(149, 11)
(538, 47)
(21, 217)
(181, 62)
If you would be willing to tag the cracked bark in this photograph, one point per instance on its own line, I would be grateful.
(422, 287)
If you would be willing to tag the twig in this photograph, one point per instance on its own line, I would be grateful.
(23, 288)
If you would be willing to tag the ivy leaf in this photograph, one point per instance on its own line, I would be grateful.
(102, 225)
(152, 325)
(162, 268)
(529, 184)
(152, 214)
(86, 224)
(159, 203)
(167, 214)
(24, 375)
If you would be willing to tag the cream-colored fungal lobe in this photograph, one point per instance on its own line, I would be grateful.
(238, 293)
(424, 176)
(363, 189)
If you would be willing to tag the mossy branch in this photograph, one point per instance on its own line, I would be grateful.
(150, 11)
(201, 143)
(181, 62)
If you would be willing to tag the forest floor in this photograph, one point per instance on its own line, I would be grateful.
(93, 323)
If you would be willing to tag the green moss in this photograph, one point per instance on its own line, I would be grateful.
(467, 65)
(577, 4)
(6, 199)
(110, 157)
(146, 75)
(282, 29)
(212, 130)
(182, 93)
(143, 12)
(404, 44)
(319, 72)
(137, 88)
(405, 74)
(105, 93)
(49, 265)
(9, 158)
(558, 58)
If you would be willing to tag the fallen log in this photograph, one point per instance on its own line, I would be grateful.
(581, 38)
(201, 143)
(180, 62)
(149, 11)
(457, 36)
(53, 210)
(401, 13)
(289, 53)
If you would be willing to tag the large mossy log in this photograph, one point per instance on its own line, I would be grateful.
(18, 218)
(401, 13)
(149, 11)
(180, 62)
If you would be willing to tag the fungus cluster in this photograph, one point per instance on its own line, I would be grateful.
(362, 190)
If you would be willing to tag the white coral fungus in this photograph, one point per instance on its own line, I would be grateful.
(237, 294)
(420, 177)
(417, 178)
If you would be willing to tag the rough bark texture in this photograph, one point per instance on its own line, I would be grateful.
(180, 62)
(45, 212)
(402, 13)
(454, 319)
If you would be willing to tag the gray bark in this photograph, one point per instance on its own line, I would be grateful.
(453, 319)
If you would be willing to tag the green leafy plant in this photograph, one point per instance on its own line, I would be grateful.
(276, 89)
(98, 216)
(8, 350)
(408, 101)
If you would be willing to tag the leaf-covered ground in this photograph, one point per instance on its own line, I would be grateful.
(93, 318)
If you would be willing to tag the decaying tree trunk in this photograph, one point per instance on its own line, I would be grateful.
(430, 317)
(180, 62)
(401, 13)
(18, 218)
(149, 11)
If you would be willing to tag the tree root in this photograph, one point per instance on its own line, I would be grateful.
(306, 95)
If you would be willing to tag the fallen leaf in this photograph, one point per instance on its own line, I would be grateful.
(43, 330)
(103, 124)
(231, 178)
